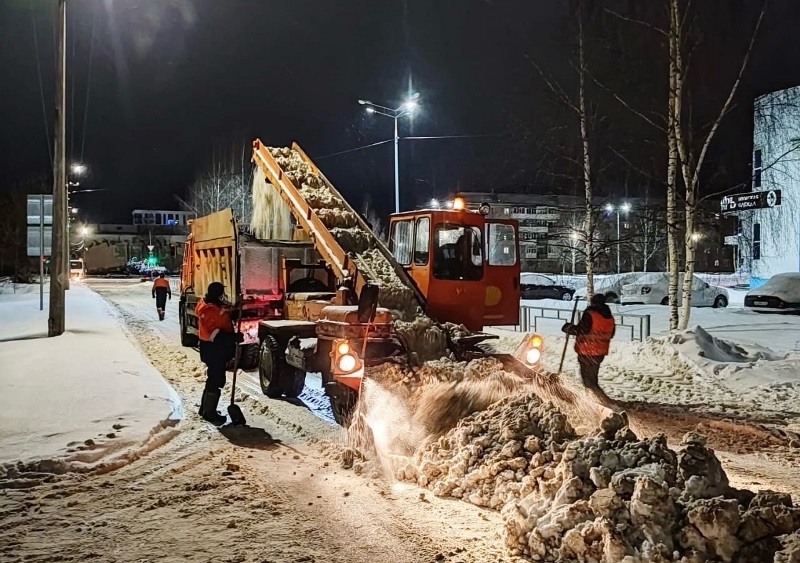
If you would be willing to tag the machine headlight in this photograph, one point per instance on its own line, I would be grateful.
(347, 362)
(533, 355)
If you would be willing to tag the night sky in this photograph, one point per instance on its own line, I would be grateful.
(170, 81)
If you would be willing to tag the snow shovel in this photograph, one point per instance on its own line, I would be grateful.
(566, 340)
(234, 411)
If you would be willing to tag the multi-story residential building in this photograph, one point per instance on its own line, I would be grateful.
(770, 237)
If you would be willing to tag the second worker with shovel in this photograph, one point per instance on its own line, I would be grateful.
(593, 334)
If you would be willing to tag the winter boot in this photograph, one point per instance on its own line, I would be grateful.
(210, 402)
(161, 314)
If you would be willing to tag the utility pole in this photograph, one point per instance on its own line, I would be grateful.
(59, 260)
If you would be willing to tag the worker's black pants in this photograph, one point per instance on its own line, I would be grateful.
(215, 356)
(590, 368)
(161, 298)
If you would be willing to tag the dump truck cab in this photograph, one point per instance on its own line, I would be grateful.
(464, 263)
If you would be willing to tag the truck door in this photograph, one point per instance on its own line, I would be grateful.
(501, 271)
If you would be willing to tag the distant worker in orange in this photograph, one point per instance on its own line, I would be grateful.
(593, 335)
(161, 291)
(217, 347)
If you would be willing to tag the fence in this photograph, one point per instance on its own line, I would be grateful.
(531, 318)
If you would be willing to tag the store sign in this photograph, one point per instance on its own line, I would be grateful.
(751, 200)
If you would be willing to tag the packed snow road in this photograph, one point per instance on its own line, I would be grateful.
(271, 491)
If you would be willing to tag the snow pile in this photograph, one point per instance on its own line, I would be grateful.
(606, 497)
(720, 350)
(82, 401)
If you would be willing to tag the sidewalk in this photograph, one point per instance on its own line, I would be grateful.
(84, 400)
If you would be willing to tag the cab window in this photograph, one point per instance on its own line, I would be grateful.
(402, 240)
(501, 244)
(421, 241)
(458, 252)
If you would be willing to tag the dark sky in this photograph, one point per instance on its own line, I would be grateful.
(170, 81)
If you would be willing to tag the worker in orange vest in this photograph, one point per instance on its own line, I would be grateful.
(593, 334)
(161, 291)
(217, 347)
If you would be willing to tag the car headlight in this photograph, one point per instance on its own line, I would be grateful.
(645, 290)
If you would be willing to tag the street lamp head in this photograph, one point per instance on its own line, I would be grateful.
(626, 207)
(410, 106)
(84, 231)
(414, 96)
(74, 210)
(78, 168)
(364, 102)
(696, 236)
(609, 207)
(573, 236)
(370, 110)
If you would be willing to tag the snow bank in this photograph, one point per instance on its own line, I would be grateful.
(86, 400)
(608, 496)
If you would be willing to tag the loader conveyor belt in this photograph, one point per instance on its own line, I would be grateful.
(343, 264)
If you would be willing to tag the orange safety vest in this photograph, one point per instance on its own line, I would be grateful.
(160, 282)
(596, 342)
(211, 317)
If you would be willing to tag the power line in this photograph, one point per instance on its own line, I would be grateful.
(353, 150)
(450, 137)
(41, 85)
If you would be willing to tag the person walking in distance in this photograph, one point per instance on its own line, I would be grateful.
(593, 334)
(161, 291)
(217, 347)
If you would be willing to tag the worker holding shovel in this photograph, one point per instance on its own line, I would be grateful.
(217, 347)
(593, 334)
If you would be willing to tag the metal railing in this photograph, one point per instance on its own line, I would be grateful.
(531, 318)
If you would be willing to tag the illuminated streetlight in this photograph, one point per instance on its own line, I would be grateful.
(85, 231)
(696, 236)
(624, 208)
(78, 169)
(435, 203)
(74, 210)
(574, 236)
(407, 108)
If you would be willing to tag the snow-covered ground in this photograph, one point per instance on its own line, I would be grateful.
(83, 400)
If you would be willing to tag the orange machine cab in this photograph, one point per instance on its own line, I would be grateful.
(465, 264)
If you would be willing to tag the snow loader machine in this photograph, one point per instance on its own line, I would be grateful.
(339, 290)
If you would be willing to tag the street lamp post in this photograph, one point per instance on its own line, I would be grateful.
(625, 207)
(406, 109)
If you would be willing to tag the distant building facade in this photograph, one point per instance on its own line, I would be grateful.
(770, 238)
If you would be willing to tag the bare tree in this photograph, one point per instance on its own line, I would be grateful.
(225, 182)
(373, 219)
(693, 147)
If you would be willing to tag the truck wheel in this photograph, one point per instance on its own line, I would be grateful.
(294, 385)
(268, 368)
(248, 356)
(343, 401)
(187, 339)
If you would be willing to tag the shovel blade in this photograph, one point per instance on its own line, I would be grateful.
(236, 415)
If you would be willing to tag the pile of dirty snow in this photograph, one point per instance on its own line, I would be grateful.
(608, 496)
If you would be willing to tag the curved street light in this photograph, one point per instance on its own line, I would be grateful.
(407, 108)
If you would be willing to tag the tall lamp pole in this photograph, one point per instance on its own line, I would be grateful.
(406, 109)
(625, 207)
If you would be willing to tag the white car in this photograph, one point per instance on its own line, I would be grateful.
(780, 294)
(653, 289)
(610, 286)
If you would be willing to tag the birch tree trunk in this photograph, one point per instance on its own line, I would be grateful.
(672, 167)
(587, 166)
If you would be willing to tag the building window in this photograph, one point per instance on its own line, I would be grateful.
(756, 241)
(757, 167)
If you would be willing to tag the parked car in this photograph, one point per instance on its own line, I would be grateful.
(537, 286)
(653, 289)
(780, 294)
(611, 285)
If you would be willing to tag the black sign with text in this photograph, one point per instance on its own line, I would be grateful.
(752, 200)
